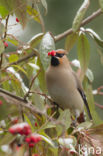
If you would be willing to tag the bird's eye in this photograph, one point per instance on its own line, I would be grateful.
(59, 55)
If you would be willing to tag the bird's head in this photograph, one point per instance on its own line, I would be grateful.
(58, 57)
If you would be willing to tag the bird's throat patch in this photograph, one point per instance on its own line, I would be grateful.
(54, 61)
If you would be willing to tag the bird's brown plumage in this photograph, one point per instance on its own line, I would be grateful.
(63, 84)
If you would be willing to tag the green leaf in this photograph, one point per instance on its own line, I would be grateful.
(1, 46)
(44, 3)
(95, 36)
(80, 15)
(48, 140)
(12, 40)
(84, 125)
(65, 118)
(90, 99)
(20, 69)
(7, 139)
(101, 4)
(3, 12)
(83, 53)
(7, 4)
(28, 121)
(13, 58)
(20, 11)
(35, 40)
(32, 12)
(41, 77)
(70, 41)
(47, 44)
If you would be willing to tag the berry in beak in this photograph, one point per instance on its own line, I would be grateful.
(52, 53)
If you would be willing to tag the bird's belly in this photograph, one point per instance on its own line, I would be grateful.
(66, 99)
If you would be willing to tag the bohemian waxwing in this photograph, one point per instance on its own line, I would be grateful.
(64, 86)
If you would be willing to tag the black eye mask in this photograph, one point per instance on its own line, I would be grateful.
(59, 55)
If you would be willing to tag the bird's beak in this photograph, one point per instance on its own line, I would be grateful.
(52, 53)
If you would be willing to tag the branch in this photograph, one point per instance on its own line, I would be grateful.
(6, 25)
(19, 101)
(84, 22)
(34, 53)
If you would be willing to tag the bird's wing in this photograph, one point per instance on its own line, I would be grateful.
(80, 89)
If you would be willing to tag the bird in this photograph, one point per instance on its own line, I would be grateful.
(64, 86)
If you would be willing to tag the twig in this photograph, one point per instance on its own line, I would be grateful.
(99, 90)
(84, 22)
(42, 94)
(34, 53)
(98, 105)
(11, 98)
(6, 25)
(31, 84)
(1, 60)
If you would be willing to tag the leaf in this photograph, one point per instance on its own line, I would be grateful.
(13, 41)
(41, 77)
(13, 58)
(20, 11)
(7, 4)
(47, 44)
(28, 121)
(80, 15)
(70, 41)
(1, 46)
(48, 125)
(83, 53)
(7, 139)
(35, 40)
(84, 125)
(101, 4)
(32, 12)
(90, 99)
(3, 12)
(48, 140)
(89, 75)
(20, 69)
(65, 118)
(44, 3)
(95, 36)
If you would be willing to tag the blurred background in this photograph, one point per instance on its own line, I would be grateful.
(58, 19)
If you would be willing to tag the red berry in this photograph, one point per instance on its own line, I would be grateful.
(36, 124)
(11, 130)
(5, 44)
(28, 140)
(17, 20)
(52, 53)
(31, 145)
(0, 102)
(35, 155)
(35, 138)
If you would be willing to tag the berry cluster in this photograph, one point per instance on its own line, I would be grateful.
(24, 129)
(33, 139)
(21, 128)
